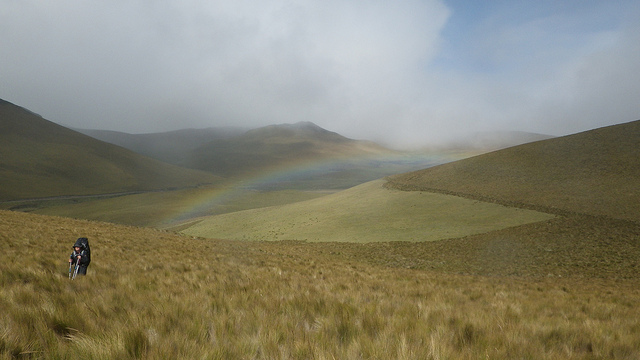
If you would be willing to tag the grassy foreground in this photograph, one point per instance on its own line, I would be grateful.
(153, 294)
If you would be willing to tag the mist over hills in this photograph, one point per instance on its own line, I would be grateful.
(173, 147)
(277, 145)
(330, 160)
(496, 140)
(334, 161)
(39, 158)
(215, 149)
(230, 152)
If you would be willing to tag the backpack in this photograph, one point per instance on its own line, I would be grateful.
(83, 244)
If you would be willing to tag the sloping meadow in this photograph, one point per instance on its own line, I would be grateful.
(366, 213)
(153, 294)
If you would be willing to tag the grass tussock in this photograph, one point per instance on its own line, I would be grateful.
(151, 294)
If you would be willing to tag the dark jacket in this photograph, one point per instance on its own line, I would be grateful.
(84, 259)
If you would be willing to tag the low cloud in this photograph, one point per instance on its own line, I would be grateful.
(399, 72)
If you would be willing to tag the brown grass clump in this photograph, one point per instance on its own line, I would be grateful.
(151, 294)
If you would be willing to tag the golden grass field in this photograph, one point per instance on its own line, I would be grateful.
(151, 294)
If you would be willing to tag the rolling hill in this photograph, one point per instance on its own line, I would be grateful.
(595, 172)
(41, 159)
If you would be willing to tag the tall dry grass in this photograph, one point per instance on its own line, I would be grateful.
(151, 294)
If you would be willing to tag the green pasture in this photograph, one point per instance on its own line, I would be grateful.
(161, 209)
(366, 213)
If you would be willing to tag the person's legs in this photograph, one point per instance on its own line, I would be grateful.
(82, 270)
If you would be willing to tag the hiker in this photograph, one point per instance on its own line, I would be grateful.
(81, 255)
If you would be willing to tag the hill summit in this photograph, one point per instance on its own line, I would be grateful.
(297, 131)
(276, 145)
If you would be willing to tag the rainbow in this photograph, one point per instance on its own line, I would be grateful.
(278, 177)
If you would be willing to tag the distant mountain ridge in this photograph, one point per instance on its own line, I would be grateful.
(231, 152)
(39, 158)
(277, 145)
(300, 130)
(170, 147)
(223, 151)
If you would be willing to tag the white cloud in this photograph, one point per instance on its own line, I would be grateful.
(375, 69)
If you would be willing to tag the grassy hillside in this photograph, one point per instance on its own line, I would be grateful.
(40, 159)
(595, 172)
(366, 213)
(152, 294)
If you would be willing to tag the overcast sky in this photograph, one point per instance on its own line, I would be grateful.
(411, 71)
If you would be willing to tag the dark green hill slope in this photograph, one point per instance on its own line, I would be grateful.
(595, 172)
(40, 159)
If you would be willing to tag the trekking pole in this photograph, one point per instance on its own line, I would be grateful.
(70, 270)
(75, 271)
